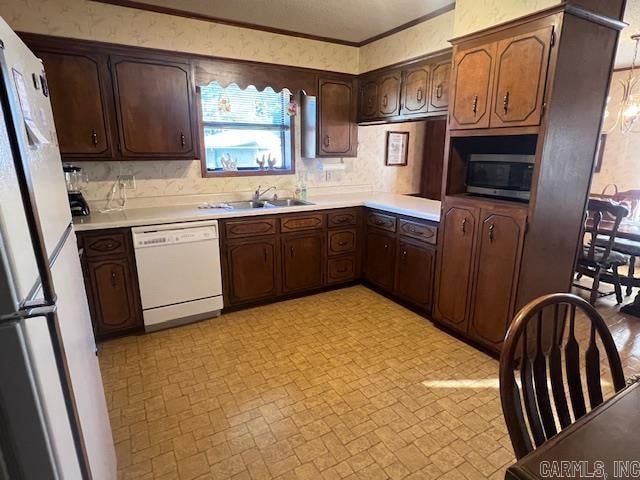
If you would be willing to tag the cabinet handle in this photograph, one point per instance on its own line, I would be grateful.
(291, 251)
(341, 270)
(491, 228)
(386, 246)
(439, 91)
(505, 102)
(463, 225)
(114, 279)
(182, 139)
(94, 137)
(341, 220)
(342, 243)
(474, 105)
(265, 254)
(404, 255)
(385, 101)
(379, 222)
(419, 95)
(327, 140)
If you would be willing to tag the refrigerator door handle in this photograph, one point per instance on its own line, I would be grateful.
(30, 311)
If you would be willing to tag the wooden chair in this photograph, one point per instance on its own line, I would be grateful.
(596, 259)
(538, 408)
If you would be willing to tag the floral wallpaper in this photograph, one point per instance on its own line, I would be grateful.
(420, 39)
(179, 177)
(621, 160)
(474, 15)
(115, 24)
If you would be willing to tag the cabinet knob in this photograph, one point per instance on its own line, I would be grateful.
(505, 102)
(404, 255)
(463, 225)
(292, 251)
(341, 270)
(114, 279)
(474, 105)
(94, 137)
(491, 229)
(265, 254)
(439, 91)
(342, 243)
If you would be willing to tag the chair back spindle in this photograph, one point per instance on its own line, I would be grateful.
(549, 366)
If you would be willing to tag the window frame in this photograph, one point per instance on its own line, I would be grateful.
(206, 173)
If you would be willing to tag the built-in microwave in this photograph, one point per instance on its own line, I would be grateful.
(500, 175)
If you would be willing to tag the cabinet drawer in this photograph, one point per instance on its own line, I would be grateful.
(341, 241)
(296, 223)
(250, 228)
(384, 222)
(419, 231)
(104, 244)
(341, 269)
(342, 218)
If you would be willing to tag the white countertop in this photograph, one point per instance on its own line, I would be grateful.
(132, 217)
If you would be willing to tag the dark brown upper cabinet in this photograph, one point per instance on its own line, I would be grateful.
(330, 129)
(413, 90)
(473, 81)
(440, 81)
(389, 94)
(369, 99)
(154, 105)
(81, 101)
(415, 93)
(521, 68)
(502, 83)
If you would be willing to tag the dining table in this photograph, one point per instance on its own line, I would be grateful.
(602, 444)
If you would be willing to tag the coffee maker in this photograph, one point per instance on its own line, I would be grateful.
(76, 181)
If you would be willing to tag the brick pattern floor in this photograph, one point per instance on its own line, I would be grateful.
(341, 385)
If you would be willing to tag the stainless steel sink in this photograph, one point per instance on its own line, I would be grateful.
(245, 204)
(286, 202)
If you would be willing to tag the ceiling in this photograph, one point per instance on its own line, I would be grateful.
(351, 21)
(626, 46)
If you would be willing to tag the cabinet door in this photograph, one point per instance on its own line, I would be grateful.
(115, 296)
(414, 273)
(389, 95)
(499, 248)
(380, 260)
(473, 80)
(521, 70)
(302, 261)
(154, 104)
(78, 84)
(252, 271)
(369, 100)
(455, 266)
(440, 81)
(336, 128)
(415, 91)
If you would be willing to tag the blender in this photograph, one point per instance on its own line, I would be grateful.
(76, 181)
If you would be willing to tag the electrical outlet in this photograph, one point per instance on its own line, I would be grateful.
(127, 181)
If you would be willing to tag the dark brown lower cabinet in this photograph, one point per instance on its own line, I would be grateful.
(414, 272)
(380, 263)
(478, 267)
(499, 245)
(302, 256)
(252, 270)
(342, 269)
(111, 281)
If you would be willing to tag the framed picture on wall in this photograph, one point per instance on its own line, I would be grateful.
(600, 152)
(397, 151)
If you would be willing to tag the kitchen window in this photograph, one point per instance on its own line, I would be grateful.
(246, 131)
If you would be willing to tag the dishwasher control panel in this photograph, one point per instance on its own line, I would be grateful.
(158, 236)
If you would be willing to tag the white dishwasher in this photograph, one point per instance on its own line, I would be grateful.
(178, 272)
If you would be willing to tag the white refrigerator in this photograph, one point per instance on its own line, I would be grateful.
(54, 422)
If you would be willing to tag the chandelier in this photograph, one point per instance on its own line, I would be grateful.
(629, 111)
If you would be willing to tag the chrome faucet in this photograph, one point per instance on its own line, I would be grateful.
(258, 194)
